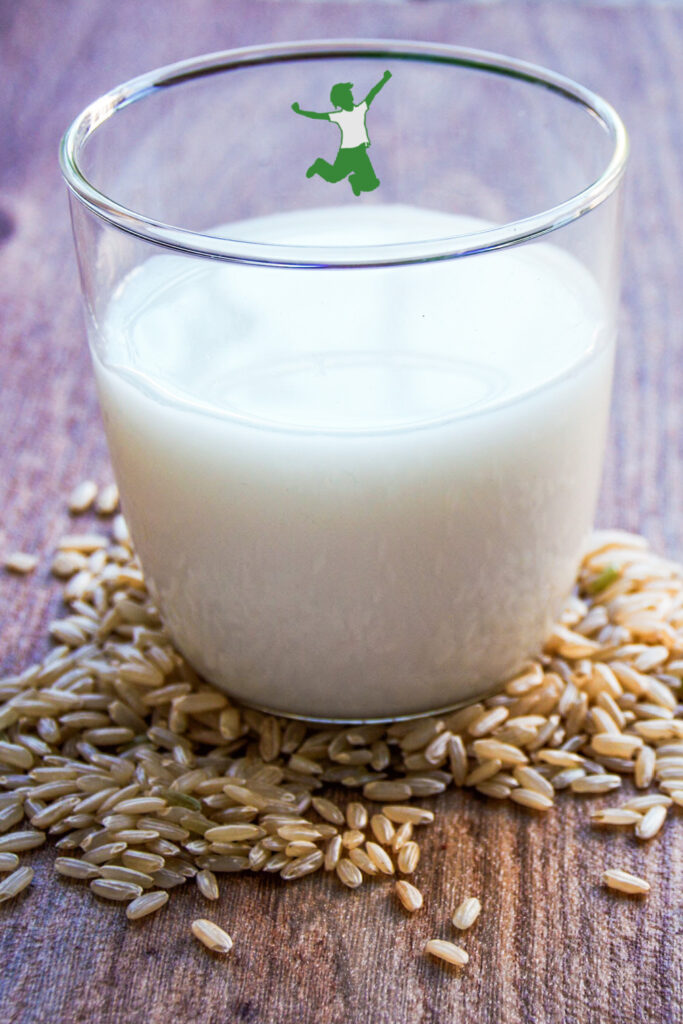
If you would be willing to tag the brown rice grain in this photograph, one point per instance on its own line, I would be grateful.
(599, 783)
(207, 883)
(235, 833)
(447, 951)
(560, 758)
(230, 724)
(85, 543)
(615, 816)
(10, 816)
(15, 883)
(20, 562)
(348, 874)
(380, 858)
(408, 857)
(15, 842)
(659, 728)
(566, 777)
(530, 678)
(457, 757)
(382, 829)
(146, 904)
(362, 860)
(82, 497)
(671, 785)
(624, 881)
(403, 835)
(643, 803)
(101, 854)
(609, 704)
(507, 754)
(292, 833)
(494, 790)
(602, 723)
(387, 791)
(107, 500)
(420, 735)
(437, 751)
(644, 767)
(15, 755)
(119, 529)
(109, 889)
(8, 862)
(427, 785)
(403, 814)
(467, 913)
(328, 810)
(140, 805)
(529, 778)
(211, 935)
(616, 746)
(381, 756)
(166, 878)
(72, 867)
(302, 866)
(200, 703)
(352, 838)
(651, 822)
(484, 771)
(488, 721)
(409, 895)
(532, 799)
(332, 853)
(134, 836)
(301, 849)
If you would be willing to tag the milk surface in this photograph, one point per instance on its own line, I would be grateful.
(357, 493)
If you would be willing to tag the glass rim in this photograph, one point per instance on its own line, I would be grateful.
(197, 243)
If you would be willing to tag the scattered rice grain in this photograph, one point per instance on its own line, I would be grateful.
(467, 913)
(15, 883)
(408, 858)
(409, 895)
(530, 798)
(8, 862)
(21, 563)
(211, 935)
(624, 881)
(348, 873)
(107, 502)
(598, 783)
(82, 497)
(447, 951)
(651, 822)
(111, 889)
(207, 884)
(146, 904)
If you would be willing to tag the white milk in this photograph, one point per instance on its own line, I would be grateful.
(358, 493)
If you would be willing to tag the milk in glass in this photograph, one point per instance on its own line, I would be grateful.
(358, 493)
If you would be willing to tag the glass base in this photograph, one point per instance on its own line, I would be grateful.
(388, 719)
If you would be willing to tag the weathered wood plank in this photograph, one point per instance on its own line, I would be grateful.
(551, 944)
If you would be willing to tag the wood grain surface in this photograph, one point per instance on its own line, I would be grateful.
(551, 945)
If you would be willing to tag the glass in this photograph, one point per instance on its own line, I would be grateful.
(351, 308)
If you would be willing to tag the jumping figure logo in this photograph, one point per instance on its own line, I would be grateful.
(352, 160)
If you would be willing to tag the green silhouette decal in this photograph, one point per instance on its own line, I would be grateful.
(352, 160)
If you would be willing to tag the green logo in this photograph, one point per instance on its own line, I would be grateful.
(352, 160)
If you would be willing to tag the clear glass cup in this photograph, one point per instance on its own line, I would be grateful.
(351, 307)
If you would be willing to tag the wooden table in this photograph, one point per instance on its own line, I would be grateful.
(551, 945)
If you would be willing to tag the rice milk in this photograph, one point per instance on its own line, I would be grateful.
(357, 493)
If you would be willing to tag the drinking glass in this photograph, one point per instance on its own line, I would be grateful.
(351, 307)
